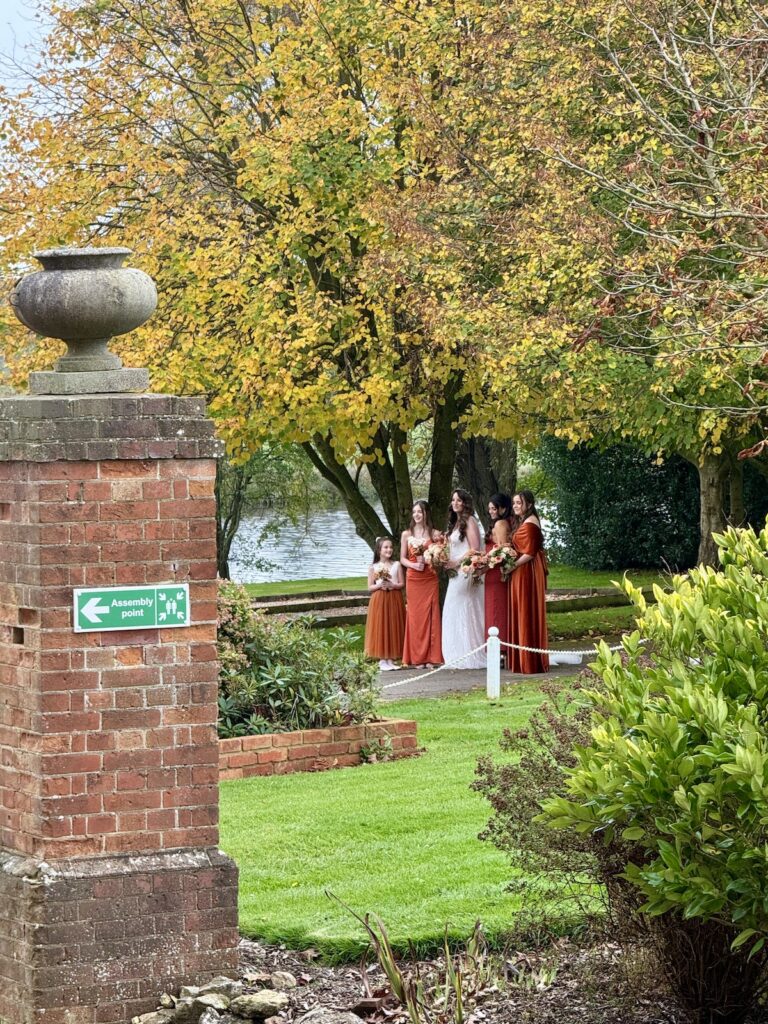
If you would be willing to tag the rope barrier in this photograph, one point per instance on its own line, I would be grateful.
(439, 668)
(493, 646)
(543, 650)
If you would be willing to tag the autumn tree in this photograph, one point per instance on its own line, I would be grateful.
(499, 218)
(615, 156)
(246, 152)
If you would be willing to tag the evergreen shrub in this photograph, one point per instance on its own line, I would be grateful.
(672, 780)
(616, 508)
(279, 675)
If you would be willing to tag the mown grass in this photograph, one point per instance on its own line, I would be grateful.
(560, 576)
(307, 586)
(591, 623)
(564, 576)
(588, 624)
(398, 839)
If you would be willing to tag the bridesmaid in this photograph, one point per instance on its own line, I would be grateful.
(527, 599)
(497, 589)
(385, 626)
(422, 613)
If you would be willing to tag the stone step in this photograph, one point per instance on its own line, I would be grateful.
(318, 604)
(305, 595)
(348, 608)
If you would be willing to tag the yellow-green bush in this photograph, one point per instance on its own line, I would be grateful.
(675, 772)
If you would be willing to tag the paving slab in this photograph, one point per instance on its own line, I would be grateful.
(403, 683)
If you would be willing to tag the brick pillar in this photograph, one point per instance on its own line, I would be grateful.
(112, 887)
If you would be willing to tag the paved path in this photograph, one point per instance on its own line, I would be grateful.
(456, 680)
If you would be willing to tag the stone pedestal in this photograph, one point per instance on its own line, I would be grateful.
(112, 887)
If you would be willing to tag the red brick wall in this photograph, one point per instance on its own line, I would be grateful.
(107, 740)
(280, 753)
(111, 885)
(96, 940)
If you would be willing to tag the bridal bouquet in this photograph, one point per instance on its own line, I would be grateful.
(438, 553)
(474, 565)
(502, 557)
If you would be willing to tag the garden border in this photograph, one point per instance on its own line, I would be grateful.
(312, 750)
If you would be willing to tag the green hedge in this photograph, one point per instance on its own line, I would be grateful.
(616, 509)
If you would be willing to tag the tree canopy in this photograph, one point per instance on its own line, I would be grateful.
(623, 151)
(246, 153)
(501, 218)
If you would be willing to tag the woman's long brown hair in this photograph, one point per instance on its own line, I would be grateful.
(460, 519)
(424, 506)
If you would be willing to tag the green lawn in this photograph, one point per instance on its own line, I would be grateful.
(559, 576)
(586, 624)
(397, 839)
(591, 622)
(307, 586)
(563, 576)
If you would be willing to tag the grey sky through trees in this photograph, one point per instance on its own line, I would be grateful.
(20, 31)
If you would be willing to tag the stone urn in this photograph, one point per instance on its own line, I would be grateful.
(85, 297)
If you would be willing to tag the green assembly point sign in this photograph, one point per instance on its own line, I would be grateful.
(109, 608)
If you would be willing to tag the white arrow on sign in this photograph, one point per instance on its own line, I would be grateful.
(92, 609)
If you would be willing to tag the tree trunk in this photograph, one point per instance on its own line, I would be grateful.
(368, 524)
(737, 514)
(485, 467)
(445, 443)
(713, 479)
(390, 475)
(230, 490)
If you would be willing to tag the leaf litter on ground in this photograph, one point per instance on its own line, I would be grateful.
(563, 983)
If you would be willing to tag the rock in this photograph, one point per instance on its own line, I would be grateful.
(167, 1000)
(324, 1015)
(189, 991)
(191, 1009)
(259, 1005)
(213, 1001)
(274, 1020)
(155, 1017)
(282, 981)
(223, 986)
(184, 1012)
(209, 1016)
(256, 978)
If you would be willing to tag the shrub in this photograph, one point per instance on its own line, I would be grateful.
(556, 875)
(281, 675)
(616, 509)
(673, 778)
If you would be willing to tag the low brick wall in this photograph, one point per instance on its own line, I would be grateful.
(311, 750)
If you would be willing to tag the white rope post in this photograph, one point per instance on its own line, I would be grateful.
(493, 663)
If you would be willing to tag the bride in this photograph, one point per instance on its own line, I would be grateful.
(464, 609)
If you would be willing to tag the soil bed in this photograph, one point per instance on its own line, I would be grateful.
(564, 984)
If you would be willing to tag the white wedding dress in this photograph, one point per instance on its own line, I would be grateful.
(463, 613)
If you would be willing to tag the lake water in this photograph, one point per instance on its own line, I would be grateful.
(326, 546)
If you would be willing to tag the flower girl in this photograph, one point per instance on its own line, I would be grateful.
(385, 627)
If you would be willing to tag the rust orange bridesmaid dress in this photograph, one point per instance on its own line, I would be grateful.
(385, 625)
(527, 602)
(422, 615)
(497, 589)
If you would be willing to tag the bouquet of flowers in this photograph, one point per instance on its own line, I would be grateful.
(502, 557)
(438, 553)
(417, 546)
(382, 573)
(473, 565)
